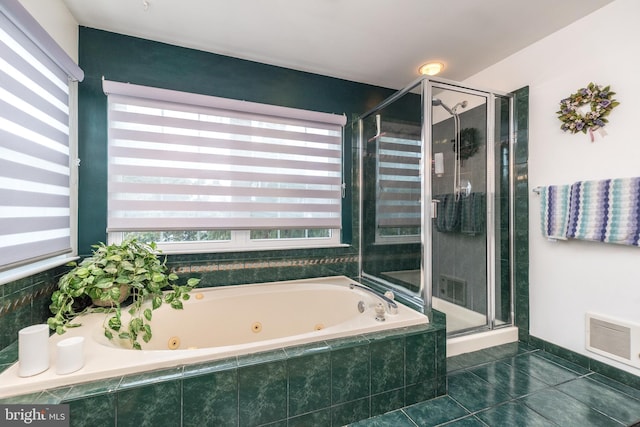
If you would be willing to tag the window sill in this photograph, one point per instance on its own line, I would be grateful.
(34, 268)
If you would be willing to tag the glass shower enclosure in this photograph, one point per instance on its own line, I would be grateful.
(436, 201)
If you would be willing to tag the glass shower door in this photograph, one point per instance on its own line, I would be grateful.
(460, 246)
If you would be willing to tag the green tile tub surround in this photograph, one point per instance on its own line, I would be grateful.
(328, 383)
(25, 302)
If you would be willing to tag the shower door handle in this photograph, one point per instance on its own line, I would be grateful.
(434, 208)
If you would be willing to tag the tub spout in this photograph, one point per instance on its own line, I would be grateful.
(389, 305)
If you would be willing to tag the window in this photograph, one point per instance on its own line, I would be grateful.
(36, 196)
(197, 173)
(399, 150)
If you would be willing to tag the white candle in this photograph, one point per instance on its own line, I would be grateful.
(33, 350)
(69, 355)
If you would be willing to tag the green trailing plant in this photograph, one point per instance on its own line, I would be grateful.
(108, 277)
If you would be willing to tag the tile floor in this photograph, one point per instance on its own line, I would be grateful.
(516, 386)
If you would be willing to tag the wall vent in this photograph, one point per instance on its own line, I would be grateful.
(453, 289)
(614, 338)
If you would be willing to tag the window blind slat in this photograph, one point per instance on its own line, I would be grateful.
(24, 199)
(246, 130)
(42, 175)
(136, 173)
(26, 225)
(142, 156)
(209, 190)
(128, 137)
(225, 223)
(191, 164)
(250, 209)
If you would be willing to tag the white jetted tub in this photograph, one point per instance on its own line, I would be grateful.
(223, 322)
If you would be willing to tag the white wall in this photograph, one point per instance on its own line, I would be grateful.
(56, 19)
(567, 279)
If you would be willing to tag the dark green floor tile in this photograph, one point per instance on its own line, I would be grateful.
(508, 378)
(474, 393)
(436, 411)
(604, 399)
(541, 368)
(624, 377)
(622, 388)
(508, 350)
(281, 423)
(513, 414)
(565, 410)
(395, 419)
(563, 362)
(469, 421)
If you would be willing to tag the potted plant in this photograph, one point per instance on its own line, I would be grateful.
(108, 277)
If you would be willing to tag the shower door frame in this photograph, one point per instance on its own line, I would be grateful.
(427, 84)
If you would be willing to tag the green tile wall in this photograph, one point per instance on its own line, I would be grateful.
(328, 383)
(521, 226)
(25, 302)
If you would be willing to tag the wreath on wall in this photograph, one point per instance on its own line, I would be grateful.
(574, 116)
(469, 143)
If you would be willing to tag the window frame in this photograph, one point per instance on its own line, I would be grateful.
(156, 98)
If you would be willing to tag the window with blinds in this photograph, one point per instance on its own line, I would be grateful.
(183, 161)
(398, 204)
(35, 189)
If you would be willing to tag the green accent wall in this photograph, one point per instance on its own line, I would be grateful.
(129, 59)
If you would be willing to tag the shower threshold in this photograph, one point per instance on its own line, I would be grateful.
(480, 340)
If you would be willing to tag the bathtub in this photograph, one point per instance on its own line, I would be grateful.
(223, 322)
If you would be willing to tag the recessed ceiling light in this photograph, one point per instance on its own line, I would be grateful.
(431, 68)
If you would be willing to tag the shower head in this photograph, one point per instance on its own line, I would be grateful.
(438, 101)
(452, 111)
(462, 104)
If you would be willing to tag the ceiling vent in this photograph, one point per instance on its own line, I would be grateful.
(613, 338)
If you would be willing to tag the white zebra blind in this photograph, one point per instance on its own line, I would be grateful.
(35, 200)
(182, 161)
(398, 173)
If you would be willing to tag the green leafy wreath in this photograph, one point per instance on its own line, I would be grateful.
(601, 101)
